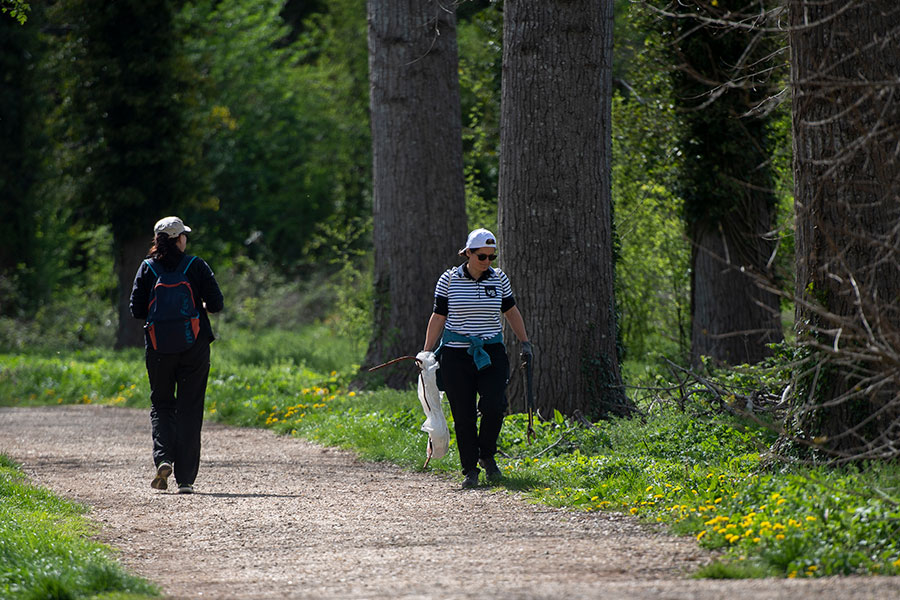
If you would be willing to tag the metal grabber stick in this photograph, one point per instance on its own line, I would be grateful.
(529, 390)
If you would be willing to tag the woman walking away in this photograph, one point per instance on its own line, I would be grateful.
(172, 292)
(468, 302)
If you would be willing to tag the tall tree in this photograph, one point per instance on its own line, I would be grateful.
(722, 75)
(124, 107)
(419, 199)
(555, 216)
(845, 57)
(18, 160)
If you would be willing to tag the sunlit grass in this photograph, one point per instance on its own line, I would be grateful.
(44, 550)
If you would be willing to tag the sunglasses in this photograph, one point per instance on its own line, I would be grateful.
(491, 257)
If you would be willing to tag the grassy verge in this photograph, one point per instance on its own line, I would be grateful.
(690, 468)
(44, 551)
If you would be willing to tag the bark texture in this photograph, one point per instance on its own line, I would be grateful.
(555, 217)
(845, 59)
(726, 179)
(419, 196)
(129, 254)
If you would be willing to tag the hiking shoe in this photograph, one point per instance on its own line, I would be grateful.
(163, 470)
(185, 488)
(491, 470)
(471, 480)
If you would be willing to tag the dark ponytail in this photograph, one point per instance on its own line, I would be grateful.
(163, 246)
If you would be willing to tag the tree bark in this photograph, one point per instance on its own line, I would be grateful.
(555, 215)
(419, 198)
(845, 57)
(128, 256)
(726, 179)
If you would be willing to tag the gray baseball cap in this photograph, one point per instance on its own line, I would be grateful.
(171, 226)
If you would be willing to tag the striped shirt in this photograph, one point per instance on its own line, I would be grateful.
(473, 308)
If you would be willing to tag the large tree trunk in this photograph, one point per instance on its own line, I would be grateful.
(419, 198)
(555, 214)
(845, 58)
(128, 255)
(726, 180)
(733, 317)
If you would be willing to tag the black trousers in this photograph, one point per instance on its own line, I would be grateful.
(462, 381)
(177, 392)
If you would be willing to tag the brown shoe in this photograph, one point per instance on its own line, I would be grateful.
(162, 474)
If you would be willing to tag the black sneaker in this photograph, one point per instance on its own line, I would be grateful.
(163, 470)
(491, 470)
(471, 480)
(185, 488)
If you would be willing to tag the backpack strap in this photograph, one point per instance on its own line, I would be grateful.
(190, 262)
(150, 266)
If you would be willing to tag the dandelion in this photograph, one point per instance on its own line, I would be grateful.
(810, 519)
(792, 574)
(896, 563)
(779, 537)
(634, 511)
(700, 535)
(351, 394)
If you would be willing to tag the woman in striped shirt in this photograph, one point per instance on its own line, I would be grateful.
(468, 302)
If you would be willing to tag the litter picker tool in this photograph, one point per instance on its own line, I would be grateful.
(529, 391)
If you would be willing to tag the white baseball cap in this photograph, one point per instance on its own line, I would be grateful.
(171, 226)
(481, 238)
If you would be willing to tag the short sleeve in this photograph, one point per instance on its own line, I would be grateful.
(506, 295)
(442, 294)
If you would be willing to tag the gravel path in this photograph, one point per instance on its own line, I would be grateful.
(276, 517)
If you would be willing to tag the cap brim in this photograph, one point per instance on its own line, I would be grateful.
(186, 229)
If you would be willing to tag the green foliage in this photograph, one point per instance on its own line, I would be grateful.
(17, 9)
(653, 256)
(77, 312)
(44, 550)
(125, 137)
(286, 132)
(480, 37)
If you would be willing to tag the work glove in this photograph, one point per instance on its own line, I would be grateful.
(527, 352)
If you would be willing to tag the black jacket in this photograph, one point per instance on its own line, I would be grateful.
(203, 282)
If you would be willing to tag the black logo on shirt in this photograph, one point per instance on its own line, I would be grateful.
(490, 291)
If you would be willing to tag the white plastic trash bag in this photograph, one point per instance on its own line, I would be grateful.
(435, 424)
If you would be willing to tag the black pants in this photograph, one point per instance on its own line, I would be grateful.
(462, 381)
(177, 392)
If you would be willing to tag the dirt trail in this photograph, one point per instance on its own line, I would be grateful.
(276, 517)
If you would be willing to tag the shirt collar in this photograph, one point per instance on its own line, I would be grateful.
(461, 271)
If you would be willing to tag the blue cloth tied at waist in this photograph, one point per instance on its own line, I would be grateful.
(476, 346)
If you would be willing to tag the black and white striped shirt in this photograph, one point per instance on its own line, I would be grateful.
(473, 308)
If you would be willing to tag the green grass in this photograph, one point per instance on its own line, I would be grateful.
(44, 550)
(698, 472)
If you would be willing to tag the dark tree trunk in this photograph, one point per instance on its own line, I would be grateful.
(419, 198)
(733, 318)
(555, 212)
(726, 183)
(134, 153)
(846, 124)
(128, 255)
